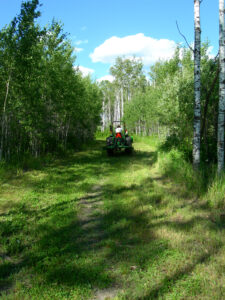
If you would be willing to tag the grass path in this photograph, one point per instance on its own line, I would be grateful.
(94, 227)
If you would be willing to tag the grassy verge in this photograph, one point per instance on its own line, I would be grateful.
(159, 236)
(205, 184)
(39, 230)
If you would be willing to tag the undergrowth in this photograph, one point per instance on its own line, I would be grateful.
(204, 184)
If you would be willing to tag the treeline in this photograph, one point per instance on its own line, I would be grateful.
(45, 103)
(166, 100)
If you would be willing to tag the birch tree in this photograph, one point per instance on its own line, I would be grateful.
(221, 109)
(197, 85)
(108, 92)
(6, 62)
(128, 74)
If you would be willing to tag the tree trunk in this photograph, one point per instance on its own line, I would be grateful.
(4, 119)
(128, 93)
(197, 86)
(122, 103)
(110, 117)
(221, 110)
(103, 115)
(118, 107)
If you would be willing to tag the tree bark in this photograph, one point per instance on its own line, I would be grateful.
(221, 109)
(4, 118)
(197, 86)
(103, 115)
(122, 103)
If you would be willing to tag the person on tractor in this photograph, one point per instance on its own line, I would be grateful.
(118, 132)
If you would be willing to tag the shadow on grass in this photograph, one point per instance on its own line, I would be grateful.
(166, 285)
(48, 240)
(188, 225)
(70, 255)
(55, 247)
(83, 253)
(137, 157)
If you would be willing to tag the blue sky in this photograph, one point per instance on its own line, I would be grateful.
(101, 30)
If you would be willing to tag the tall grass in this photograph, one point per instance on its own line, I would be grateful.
(216, 193)
(204, 184)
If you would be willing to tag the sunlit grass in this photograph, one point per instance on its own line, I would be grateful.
(151, 234)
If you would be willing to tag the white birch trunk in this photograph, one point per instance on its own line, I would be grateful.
(117, 107)
(4, 119)
(197, 86)
(128, 93)
(221, 109)
(103, 115)
(109, 112)
(122, 103)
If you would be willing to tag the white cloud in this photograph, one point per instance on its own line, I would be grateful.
(83, 28)
(148, 49)
(106, 77)
(210, 52)
(79, 42)
(78, 49)
(85, 71)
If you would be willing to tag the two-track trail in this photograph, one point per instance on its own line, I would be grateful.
(150, 233)
(96, 227)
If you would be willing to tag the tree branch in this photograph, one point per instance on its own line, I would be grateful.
(184, 37)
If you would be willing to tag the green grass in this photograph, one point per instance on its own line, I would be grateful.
(151, 231)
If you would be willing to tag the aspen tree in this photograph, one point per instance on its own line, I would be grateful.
(197, 85)
(45, 103)
(128, 74)
(221, 110)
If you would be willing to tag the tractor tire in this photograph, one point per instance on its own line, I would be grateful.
(128, 141)
(109, 141)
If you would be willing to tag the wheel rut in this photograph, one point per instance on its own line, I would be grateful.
(90, 217)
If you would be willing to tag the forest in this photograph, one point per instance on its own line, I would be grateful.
(165, 103)
(46, 104)
(76, 223)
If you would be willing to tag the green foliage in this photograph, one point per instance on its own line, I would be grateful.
(128, 79)
(168, 101)
(45, 103)
(204, 184)
(174, 165)
(173, 141)
(128, 74)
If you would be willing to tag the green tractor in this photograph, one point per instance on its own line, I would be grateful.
(119, 140)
